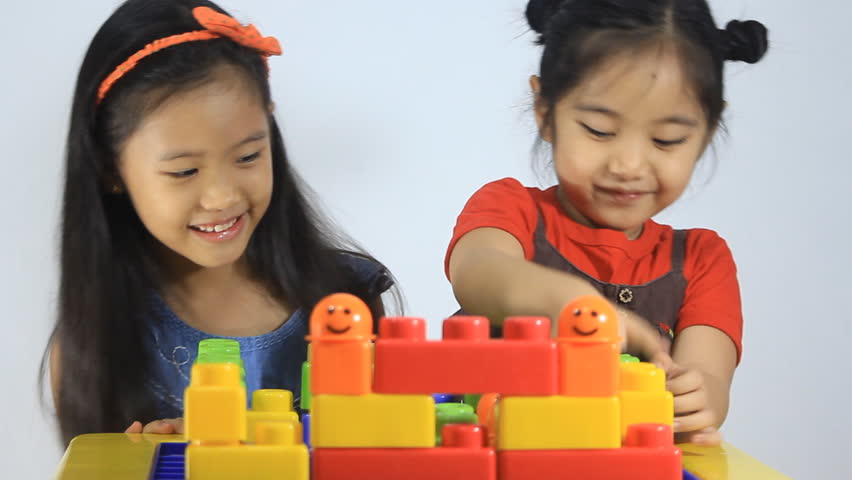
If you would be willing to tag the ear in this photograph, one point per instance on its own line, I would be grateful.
(544, 130)
(271, 108)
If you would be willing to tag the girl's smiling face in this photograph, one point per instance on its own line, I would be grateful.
(198, 169)
(625, 140)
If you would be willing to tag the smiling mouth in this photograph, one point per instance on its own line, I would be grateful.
(334, 330)
(585, 334)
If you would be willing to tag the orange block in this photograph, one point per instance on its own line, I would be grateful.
(588, 341)
(341, 368)
(588, 369)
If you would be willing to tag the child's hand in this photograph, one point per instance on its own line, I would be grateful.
(163, 427)
(640, 339)
(694, 421)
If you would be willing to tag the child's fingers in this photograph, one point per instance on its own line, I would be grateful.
(135, 427)
(684, 381)
(690, 402)
(706, 437)
(161, 427)
(694, 421)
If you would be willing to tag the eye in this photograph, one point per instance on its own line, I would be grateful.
(347, 311)
(331, 309)
(596, 133)
(594, 313)
(249, 158)
(669, 143)
(183, 173)
(577, 312)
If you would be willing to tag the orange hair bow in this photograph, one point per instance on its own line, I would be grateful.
(217, 25)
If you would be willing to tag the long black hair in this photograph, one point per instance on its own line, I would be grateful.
(108, 267)
(578, 35)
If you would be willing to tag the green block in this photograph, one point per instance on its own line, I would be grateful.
(447, 413)
(472, 399)
(627, 358)
(305, 400)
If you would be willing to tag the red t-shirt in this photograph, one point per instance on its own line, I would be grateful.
(712, 294)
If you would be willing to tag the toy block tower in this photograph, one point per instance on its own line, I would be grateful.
(586, 413)
(345, 412)
(643, 396)
(215, 419)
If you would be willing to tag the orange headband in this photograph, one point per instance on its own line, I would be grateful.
(216, 25)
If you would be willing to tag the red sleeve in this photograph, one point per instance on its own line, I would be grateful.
(713, 293)
(503, 204)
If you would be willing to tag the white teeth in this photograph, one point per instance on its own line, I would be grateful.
(217, 228)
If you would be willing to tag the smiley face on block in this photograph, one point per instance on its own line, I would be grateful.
(341, 317)
(588, 318)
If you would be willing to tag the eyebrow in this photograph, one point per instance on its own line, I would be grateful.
(254, 137)
(677, 119)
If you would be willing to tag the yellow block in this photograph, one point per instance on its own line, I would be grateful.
(278, 455)
(542, 423)
(269, 405)
(215, 404)
(644, 398)
(373, 421)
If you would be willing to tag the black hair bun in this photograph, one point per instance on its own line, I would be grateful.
(744, 41)
(539, 13)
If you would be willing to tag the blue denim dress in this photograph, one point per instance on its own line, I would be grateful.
(272, 360)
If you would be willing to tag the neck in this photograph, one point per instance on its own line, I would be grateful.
(574, 214)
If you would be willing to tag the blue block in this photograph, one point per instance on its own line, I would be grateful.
(169, 462)
(689, 476)
(306, 429)
(442, 397)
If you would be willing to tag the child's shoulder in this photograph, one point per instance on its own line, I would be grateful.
(510, 191)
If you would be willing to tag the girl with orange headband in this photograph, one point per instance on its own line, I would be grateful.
(183, 220)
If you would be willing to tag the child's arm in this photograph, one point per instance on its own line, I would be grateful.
(705, 359)
(491, 277)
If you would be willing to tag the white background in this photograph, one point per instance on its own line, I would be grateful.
(396, 111)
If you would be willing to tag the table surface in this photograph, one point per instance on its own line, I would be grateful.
(111, 456)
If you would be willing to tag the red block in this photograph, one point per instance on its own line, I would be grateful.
(524, 362)
(462, 457)
(648, 453)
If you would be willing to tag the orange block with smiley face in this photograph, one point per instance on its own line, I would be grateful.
(341, 334)
(588, 348)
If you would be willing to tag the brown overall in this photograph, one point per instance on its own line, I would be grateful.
(658, 301)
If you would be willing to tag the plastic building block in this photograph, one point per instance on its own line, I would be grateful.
(648, 453)
(279, 454)
(221, 350)
(306, 429)
(472, 399)
(373, 421)
(644, 398)
(462, 457)
(540, 423)
(442, 397)
(169, 462)
(589, 348)
(487, 411)
(306, 395)
(341, 338)
(215, 405)
(627, 358)
(466, 360)
(269, 406)
(452, 413)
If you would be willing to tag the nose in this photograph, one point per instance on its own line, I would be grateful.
(629, 162)
(220, 192)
